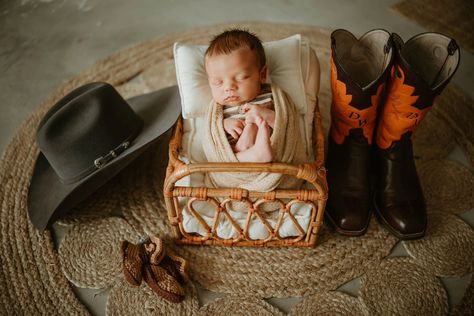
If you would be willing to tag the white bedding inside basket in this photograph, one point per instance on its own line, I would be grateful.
(257, 230)
(294, 66)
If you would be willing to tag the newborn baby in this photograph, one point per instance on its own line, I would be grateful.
(236, 69)
(262, 121)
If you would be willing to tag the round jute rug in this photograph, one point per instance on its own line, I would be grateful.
(35, 273)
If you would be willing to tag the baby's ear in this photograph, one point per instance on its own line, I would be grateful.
(263, 74)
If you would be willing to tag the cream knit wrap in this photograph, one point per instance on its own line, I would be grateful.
(286, 140)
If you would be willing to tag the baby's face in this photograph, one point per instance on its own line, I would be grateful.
(235, 78)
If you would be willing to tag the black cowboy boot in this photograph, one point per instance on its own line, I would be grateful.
(423, 66)
(359, 70)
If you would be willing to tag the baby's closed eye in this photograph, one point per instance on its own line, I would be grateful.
(242, 77)
(216, 82)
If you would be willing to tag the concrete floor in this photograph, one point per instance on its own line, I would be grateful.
(43, 43)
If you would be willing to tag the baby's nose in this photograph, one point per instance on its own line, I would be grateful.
(230, 85)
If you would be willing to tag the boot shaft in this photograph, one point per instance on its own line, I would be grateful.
(359, 68)
(422, 68)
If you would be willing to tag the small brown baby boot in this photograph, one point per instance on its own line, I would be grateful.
(164, 273)
(154, 250)
(133, 256)
(176, 266)
(163, 284)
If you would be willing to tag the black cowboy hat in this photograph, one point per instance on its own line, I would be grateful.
(86, 138)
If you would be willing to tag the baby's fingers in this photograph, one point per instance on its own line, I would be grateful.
(246, 107)
(250, 119)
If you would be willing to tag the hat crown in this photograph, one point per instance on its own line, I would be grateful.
(83, 126)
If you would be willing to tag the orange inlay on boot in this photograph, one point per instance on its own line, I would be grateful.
(399, 115)
(344, 116)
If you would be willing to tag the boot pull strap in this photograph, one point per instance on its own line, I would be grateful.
(386, 50)
(451, 48)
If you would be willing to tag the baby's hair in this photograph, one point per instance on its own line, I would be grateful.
(233, 39)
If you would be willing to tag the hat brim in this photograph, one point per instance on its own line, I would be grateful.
(48, 196)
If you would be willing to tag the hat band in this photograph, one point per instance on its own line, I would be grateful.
(101, 161)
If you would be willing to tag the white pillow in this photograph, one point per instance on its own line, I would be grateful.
(284, 66)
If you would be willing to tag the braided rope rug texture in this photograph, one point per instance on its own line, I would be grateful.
(443, 251)
(35, 273)
(397, 286)
(330, 303)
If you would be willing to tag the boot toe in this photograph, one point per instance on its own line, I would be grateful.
(350, 216)
(406, 221)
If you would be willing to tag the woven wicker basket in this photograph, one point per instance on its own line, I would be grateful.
(218, 198)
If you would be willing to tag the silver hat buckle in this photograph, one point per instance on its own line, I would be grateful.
(103, 160)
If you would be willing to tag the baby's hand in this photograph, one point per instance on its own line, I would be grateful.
(252, 112)
(234, 127)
